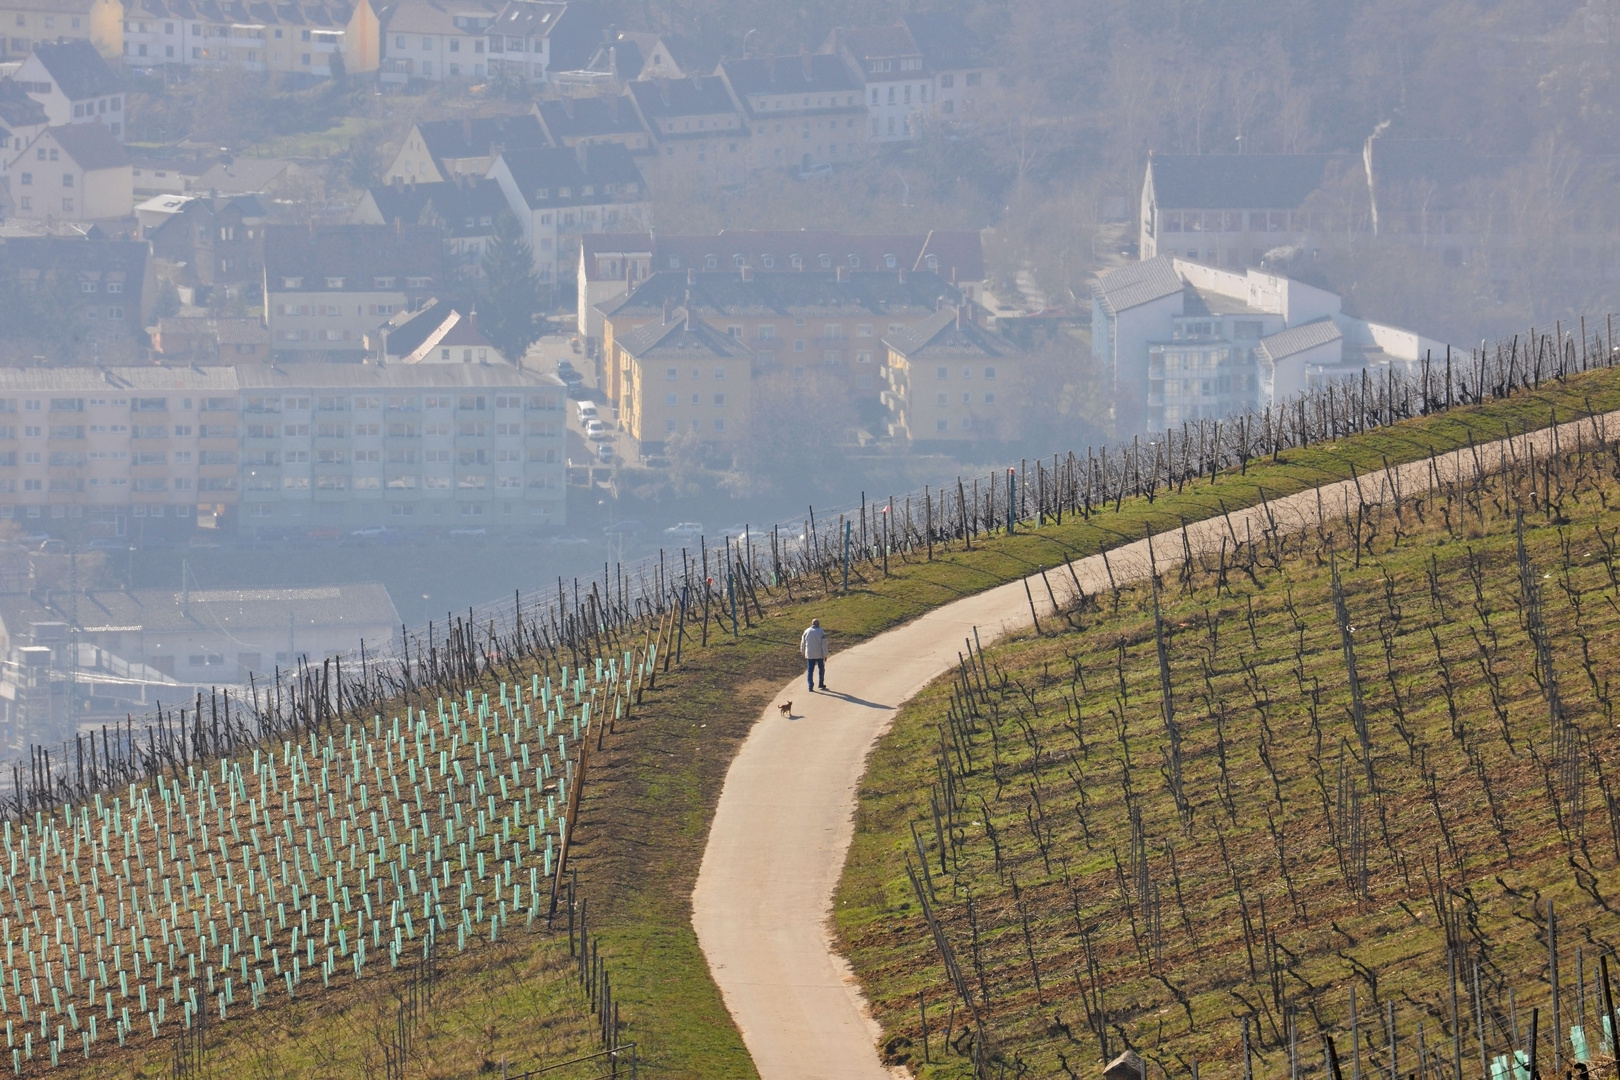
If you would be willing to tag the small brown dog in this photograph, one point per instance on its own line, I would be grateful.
(786, 708)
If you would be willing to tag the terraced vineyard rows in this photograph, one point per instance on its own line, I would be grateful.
(1358, 782)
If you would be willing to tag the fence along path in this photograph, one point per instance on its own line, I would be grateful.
(450, 815)
(786, 813)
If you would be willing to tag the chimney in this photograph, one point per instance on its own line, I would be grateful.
(613, 59)
(688, 318)
(747, 272)
(953, 275)
(691, 275)
(669, 310)
(843, 273)
(472, 319)
(961, 316)
(902, 275)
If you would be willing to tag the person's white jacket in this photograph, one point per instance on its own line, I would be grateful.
(813, 644)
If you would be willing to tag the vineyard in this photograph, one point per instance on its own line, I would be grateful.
(1343, 800)
(369, 866)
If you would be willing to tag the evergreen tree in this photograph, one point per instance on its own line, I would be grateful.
(511, 290)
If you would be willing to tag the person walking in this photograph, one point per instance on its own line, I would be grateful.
(813, 647)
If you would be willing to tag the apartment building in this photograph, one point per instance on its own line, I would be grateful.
(679, 375)
(698, 131)
(427, 444)
(327, 289)
(105, 289)
(21, 118)
(463, 210)
(570, 121)
(959, 64)
(1230, 209)
(899, 87)
(439, 150)
(835, 321)
(219, 241)
(530, 38)
(317, 38)
(951, 380)
(110, 450)
(1182, 341)
(26, 23)
(142, 451)
(801, 110)
(612, 265)
(558, 194)
(73, 84)
(436, 41)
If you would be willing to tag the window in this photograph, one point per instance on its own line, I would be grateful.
(670, 399)
(719, 423)
(671, 374)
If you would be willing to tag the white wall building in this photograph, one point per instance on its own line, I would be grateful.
(1184, 341)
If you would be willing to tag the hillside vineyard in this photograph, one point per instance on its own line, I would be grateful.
(289, 870)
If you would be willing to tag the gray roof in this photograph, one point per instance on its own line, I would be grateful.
(946, 336)
(1135, 284)
(391, 376)
(542, 173)
(473, 137)
(91, 146)
(946, 42)
(356, 253)
(17, 109)
(681, 339)
(528, 18)
(78, 69)
(807, 74)
(1298, 339)
(700, 95)
(800, 294)
(461, 209)
(241, 176)
(148, 377)
(204, 610)
(1235, 181)
(572, 118)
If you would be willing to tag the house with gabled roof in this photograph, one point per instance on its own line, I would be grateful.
(559, 194)
(77, 172)
(684, 376)
(899, 88)
(437, 334)
(530, 38)
(464, 211)
(698, 131)
(439, 150)
(73, 84)
(436, 40)
(958, 61)
(951, 379)
(580, 121)
(801, 110)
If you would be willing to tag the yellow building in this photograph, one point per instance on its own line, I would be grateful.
(318, 38)
(25, 23)
(952, 380)
(682, 376)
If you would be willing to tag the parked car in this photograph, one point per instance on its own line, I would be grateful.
(587, 411)
(595, 429)
(686, 530)
(370, 530)
(604, 454)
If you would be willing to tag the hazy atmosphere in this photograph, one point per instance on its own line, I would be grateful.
(536, 370)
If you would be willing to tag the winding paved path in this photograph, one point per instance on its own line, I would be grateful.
(763, 901)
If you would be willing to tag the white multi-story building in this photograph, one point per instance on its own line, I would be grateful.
(557, 194)
(146, 451)
(73, 84)
(1181, 341)
(451, 444)
(437, 41)
(317, 38)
